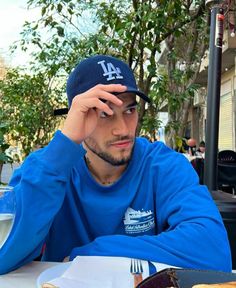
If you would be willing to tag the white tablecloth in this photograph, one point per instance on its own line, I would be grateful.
(26, 276)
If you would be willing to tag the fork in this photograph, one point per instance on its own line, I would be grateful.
(136, 269)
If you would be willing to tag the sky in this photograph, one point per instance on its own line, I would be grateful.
(13, 14)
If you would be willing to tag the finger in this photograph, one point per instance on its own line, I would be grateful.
(106, 96)
(99, 92)
(111, 87)
(102, 106)
(95, 103)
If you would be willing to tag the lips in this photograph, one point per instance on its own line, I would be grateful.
(122, 144)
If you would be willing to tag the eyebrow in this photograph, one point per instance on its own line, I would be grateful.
(133, 104)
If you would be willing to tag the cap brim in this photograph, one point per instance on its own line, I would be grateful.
(137, 92)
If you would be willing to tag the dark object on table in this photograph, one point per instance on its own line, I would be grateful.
(185, 278)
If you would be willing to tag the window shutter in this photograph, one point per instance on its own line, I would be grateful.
(225, 122)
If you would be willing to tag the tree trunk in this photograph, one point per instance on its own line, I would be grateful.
(183, 114)
(1, 166)
(180, 116)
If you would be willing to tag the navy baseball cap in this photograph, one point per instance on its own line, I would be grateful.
(101, 69)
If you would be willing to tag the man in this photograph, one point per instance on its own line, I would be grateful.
(98, 190)
(201, 149)
(192, 146)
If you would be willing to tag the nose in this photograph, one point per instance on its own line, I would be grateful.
(120, 127)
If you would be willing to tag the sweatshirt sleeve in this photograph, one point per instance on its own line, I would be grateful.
(190, 234)
(39, 186)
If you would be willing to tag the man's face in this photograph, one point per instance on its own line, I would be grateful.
(202, 149)
(114, 136)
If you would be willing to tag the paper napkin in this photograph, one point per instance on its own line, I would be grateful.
(99, 272)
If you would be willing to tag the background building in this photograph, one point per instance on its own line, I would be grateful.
(227, 120)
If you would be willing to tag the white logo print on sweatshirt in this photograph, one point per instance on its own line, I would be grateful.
(138, 221)
(110, 70)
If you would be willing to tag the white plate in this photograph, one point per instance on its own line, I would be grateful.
(51, 273)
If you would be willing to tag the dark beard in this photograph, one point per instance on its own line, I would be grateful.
(109, 158)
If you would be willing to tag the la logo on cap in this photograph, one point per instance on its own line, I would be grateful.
(110, 71)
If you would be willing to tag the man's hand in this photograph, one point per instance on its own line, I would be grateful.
(84, 112)
(66, 259)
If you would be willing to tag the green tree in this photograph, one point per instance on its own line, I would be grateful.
(4, 158)
(27, 102)
(183, 59)
(133, 31)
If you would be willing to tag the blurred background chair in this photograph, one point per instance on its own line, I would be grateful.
(227, 171)
(227, 207)
(228, 156)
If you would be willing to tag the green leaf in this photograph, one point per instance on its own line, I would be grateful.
(59, 7)
(43, 11)
(60, 31)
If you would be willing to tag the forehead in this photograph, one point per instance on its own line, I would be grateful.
(127, 97)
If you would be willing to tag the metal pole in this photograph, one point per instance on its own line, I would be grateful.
(213, 94)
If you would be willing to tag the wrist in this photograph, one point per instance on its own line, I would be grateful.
(72, 136)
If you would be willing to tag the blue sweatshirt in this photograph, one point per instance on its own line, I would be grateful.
(156, 211)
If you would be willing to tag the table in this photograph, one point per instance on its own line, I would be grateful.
(26, 276)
